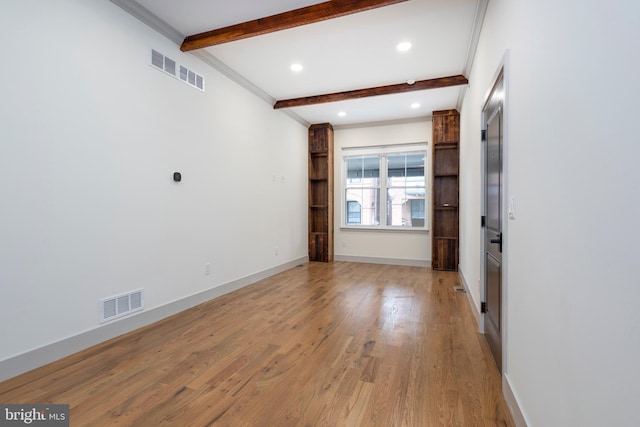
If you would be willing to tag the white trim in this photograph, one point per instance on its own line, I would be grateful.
(377, 260)
(505, 208)
(29, 360)
(389, 229)
(502, 71)
(224, 69)
(513, 403)
(374, 150)
(144, 15)
(472, 46)
(383, 151)
(474, 38)
(229, 72)
(472, 303)
(420, 119)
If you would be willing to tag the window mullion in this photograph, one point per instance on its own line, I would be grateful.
(383, 190)
(409, 196)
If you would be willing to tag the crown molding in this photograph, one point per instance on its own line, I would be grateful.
(157, 24)
(472, 46)
(143, 14)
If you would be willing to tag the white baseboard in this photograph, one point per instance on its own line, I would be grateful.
(512, 402)
(376, 260)
(30, 360)
(474, 307)
(507, 392)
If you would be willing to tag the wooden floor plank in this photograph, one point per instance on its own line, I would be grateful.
(324, 344)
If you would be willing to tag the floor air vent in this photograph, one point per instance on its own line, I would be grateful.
(120, 305)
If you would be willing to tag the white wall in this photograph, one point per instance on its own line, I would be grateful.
(90, 137)
(572, 284)
(410, 247)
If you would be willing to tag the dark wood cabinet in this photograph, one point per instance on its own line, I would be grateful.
(321, 192)
(446, 168)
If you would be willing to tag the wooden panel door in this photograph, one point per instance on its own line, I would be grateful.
(493, 226)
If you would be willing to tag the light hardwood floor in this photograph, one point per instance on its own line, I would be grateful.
(339, 344)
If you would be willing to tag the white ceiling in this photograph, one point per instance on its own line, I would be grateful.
(352, 52)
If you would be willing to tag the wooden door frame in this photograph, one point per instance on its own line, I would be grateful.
(501, 72)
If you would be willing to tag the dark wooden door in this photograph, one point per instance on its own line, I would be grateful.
(493, 224)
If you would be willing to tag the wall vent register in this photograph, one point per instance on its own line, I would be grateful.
(169, 66)
(121, 305)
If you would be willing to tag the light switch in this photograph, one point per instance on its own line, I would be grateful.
(512, 208)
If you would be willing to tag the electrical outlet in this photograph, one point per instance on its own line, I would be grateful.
(207, 269)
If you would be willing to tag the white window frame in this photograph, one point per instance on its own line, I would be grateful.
(383, 151)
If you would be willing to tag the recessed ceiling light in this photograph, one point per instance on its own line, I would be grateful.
(296, 67)
(415, 105)
(404, 46)
(342, 114)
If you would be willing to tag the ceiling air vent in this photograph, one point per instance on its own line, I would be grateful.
(120, 305)
(169, 66)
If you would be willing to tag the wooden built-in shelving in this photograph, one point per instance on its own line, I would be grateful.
(321, 192)
(446, 169)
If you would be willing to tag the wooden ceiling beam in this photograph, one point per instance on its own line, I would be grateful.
(282, 21)
(373, 91)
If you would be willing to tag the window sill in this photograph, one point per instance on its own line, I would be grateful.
(386, 229)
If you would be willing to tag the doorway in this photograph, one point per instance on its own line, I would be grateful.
(493, 195)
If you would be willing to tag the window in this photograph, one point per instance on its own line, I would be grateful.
(363, 188)
(385, 187)
(354, 212)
